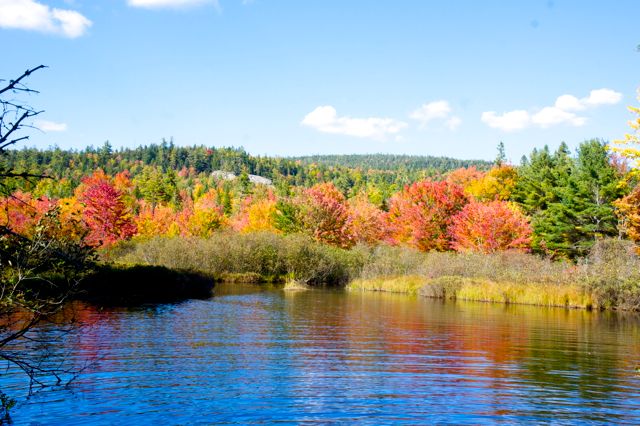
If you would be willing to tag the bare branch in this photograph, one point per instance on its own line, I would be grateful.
(15, 84)
(15, 126)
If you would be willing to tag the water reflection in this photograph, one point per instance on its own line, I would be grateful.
(251, 355)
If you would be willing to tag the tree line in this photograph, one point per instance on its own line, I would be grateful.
(554, 203)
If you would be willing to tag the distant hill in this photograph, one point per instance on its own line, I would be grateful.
(350, 173)
(392, 162)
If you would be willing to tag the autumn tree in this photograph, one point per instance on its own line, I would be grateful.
(497, 184)
(420, 214)
(150, 221)
(490, 227)
(629, 147)
(628, 212)
(325, 215)
(206, 215)
(367, 220)
(628, 208)
(106, 215)
(464, 176)
(256, 213)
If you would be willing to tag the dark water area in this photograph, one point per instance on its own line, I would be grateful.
(325, 356)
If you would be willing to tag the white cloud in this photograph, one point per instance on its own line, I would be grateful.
(431, 111)
(550, 116)
(34, 16)
(436, 110)
(50, 126)
(603, 97)
(508, 121)
(569, 103)
(170, 4)
(562, 112)
(325, 119)
(453, 123)
(596, 98)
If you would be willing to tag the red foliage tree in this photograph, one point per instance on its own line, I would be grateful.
(20, 212)
(105, 213)
(326, 215)
(490, 227)
(420, 214)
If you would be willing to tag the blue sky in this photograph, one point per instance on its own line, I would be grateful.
(302, 77)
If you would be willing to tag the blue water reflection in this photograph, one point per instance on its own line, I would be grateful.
(252, 356)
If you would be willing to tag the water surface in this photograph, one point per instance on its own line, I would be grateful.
(254, 356)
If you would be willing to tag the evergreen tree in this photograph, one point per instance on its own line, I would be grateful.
(156, 187)
(570, 200)
(501, 157)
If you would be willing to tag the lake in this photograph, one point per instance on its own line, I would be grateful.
(252, 355)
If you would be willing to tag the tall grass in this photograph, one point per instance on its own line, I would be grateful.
(508, 266)
(612, 273)
(608, 278)
(248, 257)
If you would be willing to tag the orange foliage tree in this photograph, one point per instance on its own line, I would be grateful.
(628, 212)
(367, 220)
(465, 176)
(490, 227)
(159, 220)
(256, 215)
(326, 215)
(420, 214)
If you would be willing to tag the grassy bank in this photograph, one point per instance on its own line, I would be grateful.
(483, 290)
(609, 278)
(255, 257)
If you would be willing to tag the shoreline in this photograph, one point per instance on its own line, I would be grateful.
(569, 296)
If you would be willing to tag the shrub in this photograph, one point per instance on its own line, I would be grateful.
(612, 273)
(273, 257)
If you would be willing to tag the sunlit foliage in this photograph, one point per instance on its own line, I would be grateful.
(490, 227)
(420, 214)
(105, 213)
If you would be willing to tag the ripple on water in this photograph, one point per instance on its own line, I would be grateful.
(329, 356)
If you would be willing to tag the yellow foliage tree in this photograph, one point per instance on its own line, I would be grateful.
(260, 216)
(628, 147)
(151, 221)
(496, 184)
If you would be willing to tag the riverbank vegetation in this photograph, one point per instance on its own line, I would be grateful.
(539, 233)
(608, 278)
(528, 233)
(521, 234)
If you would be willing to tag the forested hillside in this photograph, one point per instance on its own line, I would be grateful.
(392, 162)
(350, 173)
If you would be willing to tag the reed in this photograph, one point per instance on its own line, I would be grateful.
(609, 278)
